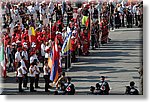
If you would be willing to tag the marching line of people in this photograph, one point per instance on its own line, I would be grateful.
(30, 29)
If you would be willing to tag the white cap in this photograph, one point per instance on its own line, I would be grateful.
(24, 43)
(72, 37)
(57, 32)
(18, 41)
(25, 46)
(74, 31)
(13, 43)
(33, 44)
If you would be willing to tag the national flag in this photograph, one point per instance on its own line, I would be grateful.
(67, 45)
(32, 34)
(53, 62)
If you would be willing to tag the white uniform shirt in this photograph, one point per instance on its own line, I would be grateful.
(33, 57)
(134, 9)
(25, 54)
(46, 70)
(42, 49)
(46, 54)
(19, 73)
(22, 66)
(37, 68)
(17, 56)
(33, 70)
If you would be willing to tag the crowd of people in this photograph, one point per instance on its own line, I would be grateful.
(29, 30)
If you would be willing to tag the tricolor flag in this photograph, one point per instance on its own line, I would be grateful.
(53, 62)
(67, 45)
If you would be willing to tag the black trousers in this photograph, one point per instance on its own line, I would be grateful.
(46, 77)
(43, 59)
(20, 83)
(122, 24)
(10, 60)
(36, 80)
(93, 40)
(73, 56)
(32, 79)
(67, 61)
(25, 80)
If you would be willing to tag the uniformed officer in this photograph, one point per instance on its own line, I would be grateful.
(73, 48)
(46, 76)
(20, 76)
(32, 77)
(61, 80)
(24, 72)
(131, 90)
(104, 86)
(37, 73)
(70, 89)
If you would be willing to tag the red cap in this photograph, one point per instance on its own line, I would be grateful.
(32, 53)
(58, 22)
(19, 49)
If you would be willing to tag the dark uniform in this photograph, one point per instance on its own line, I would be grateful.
(70, 89)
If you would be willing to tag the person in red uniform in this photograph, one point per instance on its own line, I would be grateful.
(104, 30)
(73, 48)
(85, 42)
(60, 38)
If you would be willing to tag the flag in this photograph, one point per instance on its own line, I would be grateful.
(32, 34)
(66, 45)
(2, 60)
(53, 62)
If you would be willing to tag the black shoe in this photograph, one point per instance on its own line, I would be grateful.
(49, 86)
(32, 90)
(37, 87)
(109, 39)
(47, 91)
(93, 48)
(21, 91)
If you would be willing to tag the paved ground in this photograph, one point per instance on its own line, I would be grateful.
(118, 60)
